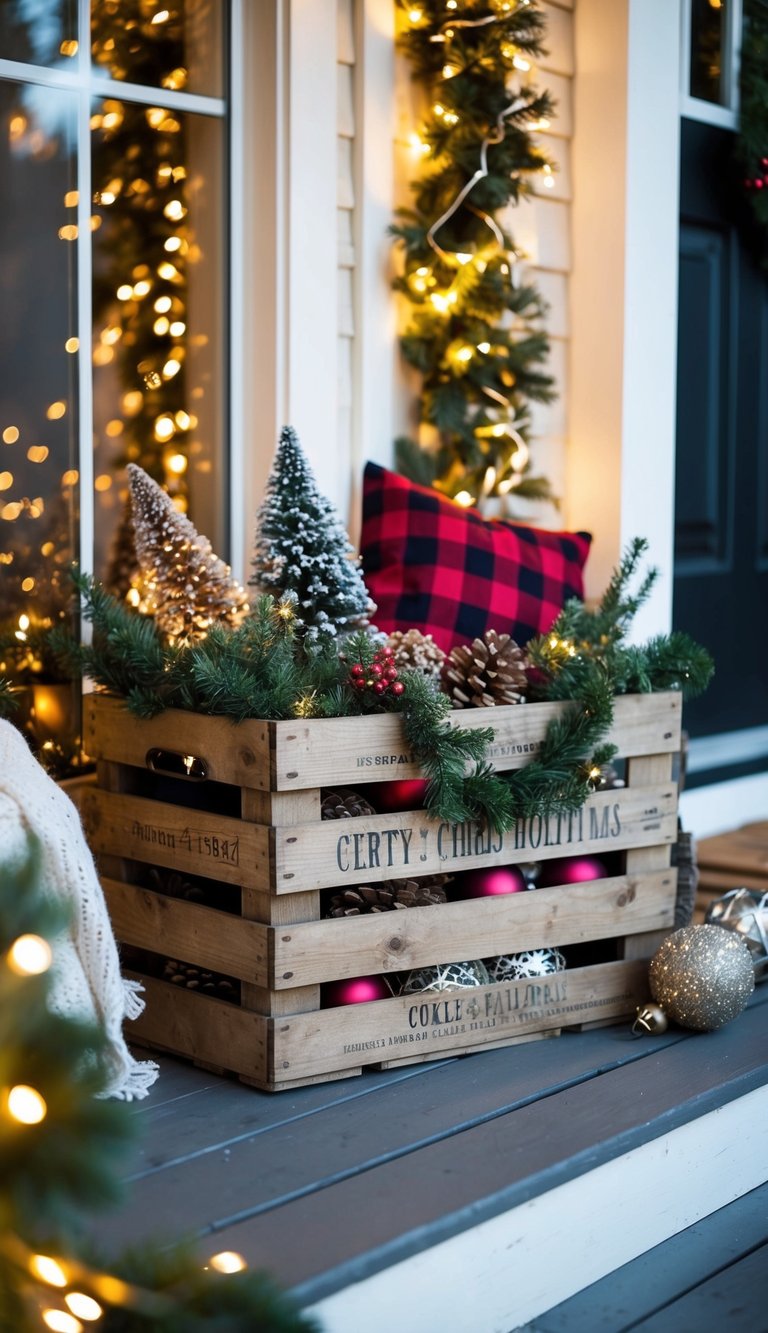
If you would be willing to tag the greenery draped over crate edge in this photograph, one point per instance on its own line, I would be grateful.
(56, 1172)
(262, 669)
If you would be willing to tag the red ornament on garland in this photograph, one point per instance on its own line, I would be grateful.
(354, 990)
(571, 870)
(391, 797)
(487, 883)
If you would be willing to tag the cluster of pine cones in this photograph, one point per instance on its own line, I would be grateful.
(481, 674)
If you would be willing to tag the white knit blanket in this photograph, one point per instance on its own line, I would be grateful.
(85, 983)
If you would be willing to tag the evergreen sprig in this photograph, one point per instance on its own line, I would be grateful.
(55, 1173)
(583, 640)
(474, 334)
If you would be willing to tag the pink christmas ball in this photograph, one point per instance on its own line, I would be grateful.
(487, 883)
(354, 990)
(571, 870)
(390, 797)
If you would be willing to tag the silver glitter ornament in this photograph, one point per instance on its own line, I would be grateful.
(444, 976)
(532, 963)
(745, 912)
(702, 976)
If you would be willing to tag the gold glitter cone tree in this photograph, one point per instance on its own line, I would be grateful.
(186, 586)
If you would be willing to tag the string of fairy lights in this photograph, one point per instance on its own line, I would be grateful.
(66, 1293)
(144, 245)
(427, 280)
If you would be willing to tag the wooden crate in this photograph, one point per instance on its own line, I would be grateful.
(274, 848)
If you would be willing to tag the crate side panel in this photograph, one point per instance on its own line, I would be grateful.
(352, 750)
(546, 918)
(310, 1044)
(202, 1029)
(340, 852)
(197, 934)
(194, 841)
(234, 753)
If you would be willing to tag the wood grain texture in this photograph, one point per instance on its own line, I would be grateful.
(354, 750)
(377, 847)
(237, 753)
(200, 935)
(308, 1044)
(260, 1157)
(286, 809)
(201, 1028)
(474, 928)
(452, 1185)
(641, 772)
(195, 841)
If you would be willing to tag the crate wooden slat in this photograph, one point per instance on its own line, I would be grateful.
(292, 756)
(391, 846)
(274, 850)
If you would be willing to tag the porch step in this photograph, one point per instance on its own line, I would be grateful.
(712, 1275)
(466, 1195)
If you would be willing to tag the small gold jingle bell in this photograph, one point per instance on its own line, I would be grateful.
(650, 1019)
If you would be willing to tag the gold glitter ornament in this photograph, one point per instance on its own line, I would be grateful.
(702, 976)
(650, 1020)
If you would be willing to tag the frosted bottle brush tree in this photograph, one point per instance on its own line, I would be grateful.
(302, 547)
(474, 330)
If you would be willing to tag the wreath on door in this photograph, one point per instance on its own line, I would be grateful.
(752, 139)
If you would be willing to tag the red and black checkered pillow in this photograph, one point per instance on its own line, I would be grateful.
(432, 565)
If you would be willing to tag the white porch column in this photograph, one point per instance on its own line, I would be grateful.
(621, 453)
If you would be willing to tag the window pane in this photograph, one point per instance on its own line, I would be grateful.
(159, 311)
(708, 44)
(179, 48)
(38, 350)
(39, 32)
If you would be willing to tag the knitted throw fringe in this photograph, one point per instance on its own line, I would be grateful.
(85, 980)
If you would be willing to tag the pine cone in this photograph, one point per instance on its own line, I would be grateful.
(197, 978)
(389, 896)
(485, 672)
(416, 652)
(345, 804)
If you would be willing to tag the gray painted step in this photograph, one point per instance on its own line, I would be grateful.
(722, 1261)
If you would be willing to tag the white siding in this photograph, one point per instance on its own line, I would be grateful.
(542, 228)
(345, 201)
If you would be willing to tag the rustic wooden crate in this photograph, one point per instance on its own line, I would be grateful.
(278, 853)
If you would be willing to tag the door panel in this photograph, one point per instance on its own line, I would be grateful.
(721, 501)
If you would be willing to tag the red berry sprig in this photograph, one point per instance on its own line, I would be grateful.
(381, 677)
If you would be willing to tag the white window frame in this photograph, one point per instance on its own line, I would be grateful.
(696, 108)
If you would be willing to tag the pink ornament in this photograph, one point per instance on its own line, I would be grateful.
(571, 870)
(488, 883)
(354, 990)
(390, 797)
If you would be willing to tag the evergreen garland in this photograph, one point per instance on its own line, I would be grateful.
(475, 333)
(56, 1170)
(265, 669)
(751, 147)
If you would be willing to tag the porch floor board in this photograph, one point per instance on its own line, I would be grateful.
(333, 1184)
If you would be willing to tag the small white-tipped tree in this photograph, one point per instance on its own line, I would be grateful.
(302, 547)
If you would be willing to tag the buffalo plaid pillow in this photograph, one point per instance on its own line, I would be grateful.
(432, 565)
